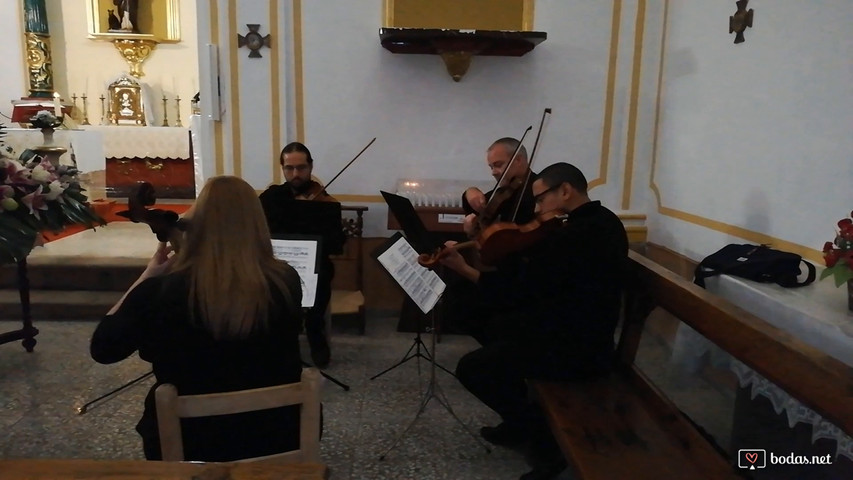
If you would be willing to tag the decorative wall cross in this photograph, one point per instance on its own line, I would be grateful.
(253, 40)
(740, 20)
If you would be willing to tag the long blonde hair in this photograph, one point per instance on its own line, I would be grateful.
(228, 255)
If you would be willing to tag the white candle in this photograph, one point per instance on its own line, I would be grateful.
(57, 108)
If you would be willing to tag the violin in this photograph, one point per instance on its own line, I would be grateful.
(318, 192)
(500, 239)
(165, 224)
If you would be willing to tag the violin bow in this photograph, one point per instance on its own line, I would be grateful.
(530, 163)
(509, 164)
(342, 170)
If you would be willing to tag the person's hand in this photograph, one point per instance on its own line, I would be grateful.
(160, 262)
(469, 225)
(476, 198)
(452, 259)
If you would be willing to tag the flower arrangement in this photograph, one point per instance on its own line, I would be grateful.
(838, 254)
(45, 119)
(36, 196)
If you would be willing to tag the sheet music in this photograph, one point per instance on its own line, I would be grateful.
(422, 285)
(302, 256)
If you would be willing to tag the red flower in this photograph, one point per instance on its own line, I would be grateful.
(831, 257)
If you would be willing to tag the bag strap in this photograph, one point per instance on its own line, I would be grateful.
(702, 271)
(793, 284)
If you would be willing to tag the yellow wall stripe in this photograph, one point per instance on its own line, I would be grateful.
(236, 144)
(639, 29)
(218, 140)
(275, 87)
(297, 71)
(608, 99)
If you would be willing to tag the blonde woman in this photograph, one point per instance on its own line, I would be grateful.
(221, 314)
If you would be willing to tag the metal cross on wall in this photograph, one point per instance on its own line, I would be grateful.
(253, 40)
(740, 20)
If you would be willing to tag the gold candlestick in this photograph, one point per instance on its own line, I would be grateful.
(165, 113)
(103, 112)
(178, 102)
(85, 110)
(74, 99)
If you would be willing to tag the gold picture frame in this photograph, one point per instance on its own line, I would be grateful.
(512, 15)
(158, 20)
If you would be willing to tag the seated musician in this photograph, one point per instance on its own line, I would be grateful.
(297, 164)
(498, 158)
(221, 314)
(463, 310)
(565, 293)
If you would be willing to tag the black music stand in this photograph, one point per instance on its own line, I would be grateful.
(296, 250)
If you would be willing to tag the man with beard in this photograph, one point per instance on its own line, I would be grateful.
(277, 200)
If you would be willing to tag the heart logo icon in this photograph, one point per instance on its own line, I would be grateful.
(751, 457)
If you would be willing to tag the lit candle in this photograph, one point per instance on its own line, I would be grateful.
(57, 108)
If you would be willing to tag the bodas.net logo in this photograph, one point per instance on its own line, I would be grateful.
(751, 458)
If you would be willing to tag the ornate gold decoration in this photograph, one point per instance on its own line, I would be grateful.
(126, 106)
(135, 51)
(39, 64)
(457, 63)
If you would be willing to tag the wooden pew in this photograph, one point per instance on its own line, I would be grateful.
(623, 426)
(48, 469)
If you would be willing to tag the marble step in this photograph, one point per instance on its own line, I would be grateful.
(59, 304)
(75, 273)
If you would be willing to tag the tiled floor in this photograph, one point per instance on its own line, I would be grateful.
(40, 393)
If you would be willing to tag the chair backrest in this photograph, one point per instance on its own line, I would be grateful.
(171, 407)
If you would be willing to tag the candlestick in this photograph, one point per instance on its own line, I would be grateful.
(103, 112)
(165, 112)
(74, 99)
(57, 108)
(85, 110)
(178, 101)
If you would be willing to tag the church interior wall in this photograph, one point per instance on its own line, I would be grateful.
(754, 139)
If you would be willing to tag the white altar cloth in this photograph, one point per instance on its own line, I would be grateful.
(817, 314)
(143, 142)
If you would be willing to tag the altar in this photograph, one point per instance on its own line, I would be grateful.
(111, 159)
(158, 155)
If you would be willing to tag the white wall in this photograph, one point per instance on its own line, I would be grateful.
(755, 139)
(13, 75)
(427, 125)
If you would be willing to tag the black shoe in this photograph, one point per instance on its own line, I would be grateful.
(545, 471)
(505, 435)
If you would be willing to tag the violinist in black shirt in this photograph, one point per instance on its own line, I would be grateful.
(565, 293)
(464, 311)
(278, 204)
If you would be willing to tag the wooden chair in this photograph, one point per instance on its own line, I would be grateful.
(171, 407)
(347, 298)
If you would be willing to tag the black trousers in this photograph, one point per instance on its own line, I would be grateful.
(315, 317)
(496, 375)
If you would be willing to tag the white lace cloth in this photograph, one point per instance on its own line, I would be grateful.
(796, 411)
(816, 314)
(144, 142)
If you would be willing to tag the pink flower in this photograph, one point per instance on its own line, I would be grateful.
(35, 201)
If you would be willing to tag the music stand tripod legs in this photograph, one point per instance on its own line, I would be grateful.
(331, 378)
(417, 345)
(433, 390)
